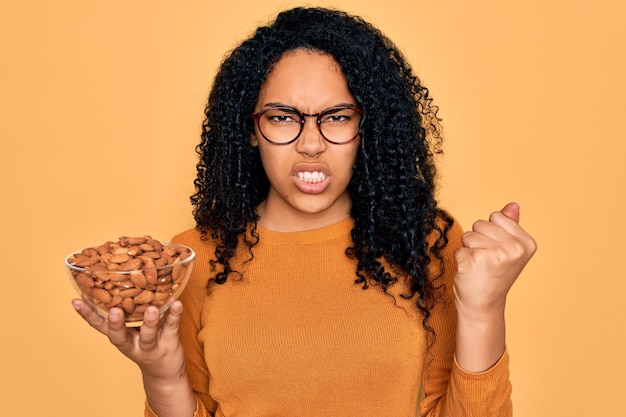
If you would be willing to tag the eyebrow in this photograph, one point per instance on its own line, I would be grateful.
(277, 104)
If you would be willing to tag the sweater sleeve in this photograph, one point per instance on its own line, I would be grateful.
(192, 298)
(449, 390)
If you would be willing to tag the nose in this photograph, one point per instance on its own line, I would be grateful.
(311, 142)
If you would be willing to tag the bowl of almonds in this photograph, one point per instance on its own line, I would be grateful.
(131, 273)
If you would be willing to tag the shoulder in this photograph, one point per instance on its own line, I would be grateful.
(204, 249)
(203, 246)
(448, 230)
(189, 237)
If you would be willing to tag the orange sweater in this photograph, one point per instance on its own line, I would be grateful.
(295, 336)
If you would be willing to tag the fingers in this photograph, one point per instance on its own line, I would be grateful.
(150, 329)
(484, 234)
(118, 333)
(114, 328)
(511, 211)
(501, 226)
(155, 346)
(493, 255)
(508, 219)
(153, 332)
(123, 337)
(501, 236)
(500, 239)
(170, 327)
(90, 316)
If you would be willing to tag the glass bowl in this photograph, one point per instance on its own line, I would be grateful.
(130, 276)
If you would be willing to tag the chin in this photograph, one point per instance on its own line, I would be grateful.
(323, 209)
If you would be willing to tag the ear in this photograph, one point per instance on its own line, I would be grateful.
(254, 141)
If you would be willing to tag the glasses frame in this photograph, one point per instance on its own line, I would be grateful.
(257, 118)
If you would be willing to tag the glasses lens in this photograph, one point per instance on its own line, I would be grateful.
(340, 125)
(280, 125)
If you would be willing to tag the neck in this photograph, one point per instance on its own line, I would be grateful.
(283, 218)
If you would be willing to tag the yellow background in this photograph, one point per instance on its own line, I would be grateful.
(100, 107)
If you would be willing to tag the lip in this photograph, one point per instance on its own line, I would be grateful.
(312, 184)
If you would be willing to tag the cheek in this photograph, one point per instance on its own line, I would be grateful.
(347, 162)
(352, 154)
(271, 160)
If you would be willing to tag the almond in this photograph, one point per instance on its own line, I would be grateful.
(118, 250)
(132, 273)
(178, 272)
(146, 247)
(84, 280)
(119, 258)
(160, 262)
(155, 244)
(104, 248)
(152, 255)
(134, 251)
(138, 279)
(115, 301)
(116, 277)
(145, 297)
(130, 292)
(90, 252)
(128, 305)
(125, 284)
(164, 288)
(101, 295)
(138, 313)
(136, 241)
(83, 261)
(131, 264)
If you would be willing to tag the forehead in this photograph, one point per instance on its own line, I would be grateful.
(308, 80)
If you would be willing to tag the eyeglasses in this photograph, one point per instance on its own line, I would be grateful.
(282, 125)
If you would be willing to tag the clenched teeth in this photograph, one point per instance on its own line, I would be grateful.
(311, 177)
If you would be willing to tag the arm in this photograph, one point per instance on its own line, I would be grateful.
(167, 351)
(492, 257)
(193, 298)
(156, 349)
(466, 368)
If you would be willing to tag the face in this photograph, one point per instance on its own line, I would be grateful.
(309, 177)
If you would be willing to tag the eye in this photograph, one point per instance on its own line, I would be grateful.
(281, 116)
(338, 116)
(335, 118)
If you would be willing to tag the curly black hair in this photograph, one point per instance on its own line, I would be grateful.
(393, 183)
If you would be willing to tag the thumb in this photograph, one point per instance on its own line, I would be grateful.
(511, 211)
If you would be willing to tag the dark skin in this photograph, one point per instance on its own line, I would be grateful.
(493, 255)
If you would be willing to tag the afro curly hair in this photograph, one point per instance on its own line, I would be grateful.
(393, 184)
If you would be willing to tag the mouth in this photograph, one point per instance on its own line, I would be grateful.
(311, 177)
(311, 180)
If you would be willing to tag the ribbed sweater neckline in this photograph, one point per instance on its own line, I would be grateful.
(330, 232)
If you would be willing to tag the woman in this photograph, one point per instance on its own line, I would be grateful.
(327, 280)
